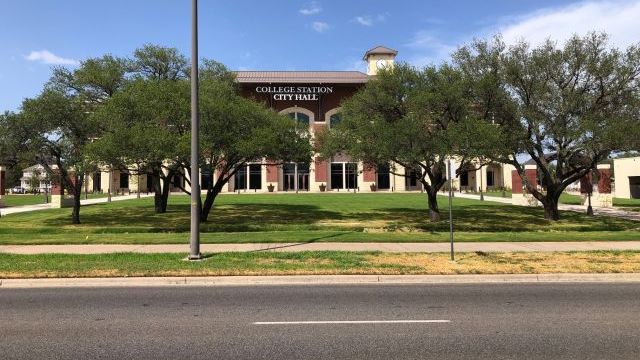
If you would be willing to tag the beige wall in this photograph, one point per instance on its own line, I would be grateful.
(622, 170)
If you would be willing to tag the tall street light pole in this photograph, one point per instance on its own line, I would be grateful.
(450, 208)
(194, 251)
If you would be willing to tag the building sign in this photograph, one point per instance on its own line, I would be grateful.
(295, 93)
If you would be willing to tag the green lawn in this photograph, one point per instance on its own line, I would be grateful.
(564, 198)
(627, 204)
(315, 263)
(30, 199)
(308, 218)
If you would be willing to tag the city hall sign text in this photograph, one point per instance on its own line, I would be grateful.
(295, 93)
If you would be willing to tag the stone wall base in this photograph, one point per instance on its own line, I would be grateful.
(598, 200)
(524, 200)
(59, 201)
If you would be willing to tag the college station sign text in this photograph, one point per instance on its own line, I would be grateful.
(296, 93)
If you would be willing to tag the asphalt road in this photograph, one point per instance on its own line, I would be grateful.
(514, 321)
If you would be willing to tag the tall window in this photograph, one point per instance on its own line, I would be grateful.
(295, 176)
(255, 176)
(301, 118)
(334, 120)
(383, 179)
(412, 176)
(206, 179)
(490, 180)
(240, 181)
(337, 175)
(464, 178)
(344, 175)
(124, 180)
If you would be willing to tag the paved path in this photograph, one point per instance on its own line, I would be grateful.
(295, 247)
(477, 321)
(27, 208)
(614, 212)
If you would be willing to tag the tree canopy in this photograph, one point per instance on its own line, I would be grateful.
(566, 108)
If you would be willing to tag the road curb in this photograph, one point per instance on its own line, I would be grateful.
(317, 280)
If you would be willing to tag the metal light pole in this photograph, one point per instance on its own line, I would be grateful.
(450, 208)
(194, 251)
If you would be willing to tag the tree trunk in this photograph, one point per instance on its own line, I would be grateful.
(550, 204)
(157, 191)
(77, 193)
(212, 193)
(434, 211)
(164, 201)
(75, 212)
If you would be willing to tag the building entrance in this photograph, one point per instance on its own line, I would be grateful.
(295, 177)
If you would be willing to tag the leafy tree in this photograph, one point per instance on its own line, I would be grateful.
(235, 131)
(147, 122)
(413, 118)
(12, 138)
(568, 108)
(147, 128)
(58, 129)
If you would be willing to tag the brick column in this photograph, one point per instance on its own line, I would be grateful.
(516, 182)
(272, 176)
(519, 196)
(321, 172)
(531, 174)
(604, 179)
(585, 184)
(603, 198)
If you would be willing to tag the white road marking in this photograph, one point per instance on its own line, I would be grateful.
(349, 322)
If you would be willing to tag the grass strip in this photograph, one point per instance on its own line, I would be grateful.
(316, 263)
(304, 236)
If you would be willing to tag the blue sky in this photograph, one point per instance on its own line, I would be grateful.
(281, 35)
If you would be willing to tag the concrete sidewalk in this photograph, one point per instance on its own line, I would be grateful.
(311, 280)
(295, 247)
(598, 211)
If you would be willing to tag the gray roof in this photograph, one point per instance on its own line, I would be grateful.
(380, 50)
(324, 77)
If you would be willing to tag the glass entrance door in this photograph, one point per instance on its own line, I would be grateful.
(295, 176)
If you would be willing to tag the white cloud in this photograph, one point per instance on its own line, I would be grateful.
(47, 57)
(368, 20)
(617, 18)
(311, 9)
(429, 49)
(320, 26)
(365, 20)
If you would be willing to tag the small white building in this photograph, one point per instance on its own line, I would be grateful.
(626, 175)
(28, 174)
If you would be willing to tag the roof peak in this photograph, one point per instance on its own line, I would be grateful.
(379, 50)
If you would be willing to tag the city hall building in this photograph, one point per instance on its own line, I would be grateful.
(312, 98)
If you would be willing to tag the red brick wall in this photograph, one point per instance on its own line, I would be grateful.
(56, 187)
(369, 173)
(272, 173)
(604, 181)
(585, 184)
(516, 182)
(321, 170)
(532, 176)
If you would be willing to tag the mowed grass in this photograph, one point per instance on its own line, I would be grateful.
(308, 218)
(627, 204)
(315, 263)
(13, 200)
